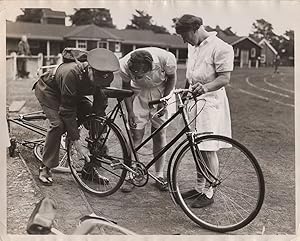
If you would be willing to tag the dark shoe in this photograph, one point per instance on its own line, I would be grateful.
(162, 185)
(190, 194)
(90, 173)
(202, 201)
(127, 186)
(45, 176)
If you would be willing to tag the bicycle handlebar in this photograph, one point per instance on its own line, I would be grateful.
(166, 98)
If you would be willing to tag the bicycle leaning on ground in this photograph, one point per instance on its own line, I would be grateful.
(238, 187)
(42, 219)
(37, 124)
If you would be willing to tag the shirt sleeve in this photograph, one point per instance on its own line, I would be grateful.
(223, 58)
(124, 72)
(99, 102)
(68, 106)
(170, 63)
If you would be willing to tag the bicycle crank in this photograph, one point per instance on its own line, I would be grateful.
(141, 176)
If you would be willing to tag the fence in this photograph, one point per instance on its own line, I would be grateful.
(33, 63)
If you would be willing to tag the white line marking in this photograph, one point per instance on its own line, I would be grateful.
(266, 90)
(277, 87)
(279, 102)
(249, 93)
(260, 97)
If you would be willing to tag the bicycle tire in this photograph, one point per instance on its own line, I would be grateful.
(239, 196)
(104, 154)
(63, 165)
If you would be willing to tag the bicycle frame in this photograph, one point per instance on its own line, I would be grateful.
(202, 167)
(26, 122)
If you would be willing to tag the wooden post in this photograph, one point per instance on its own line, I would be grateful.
(59, 59)
(14, 68)
(40, 60)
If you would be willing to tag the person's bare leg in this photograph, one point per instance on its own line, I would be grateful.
(159, 142)
(137, 137)
(212, 162)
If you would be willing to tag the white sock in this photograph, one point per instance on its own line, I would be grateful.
(160, 174)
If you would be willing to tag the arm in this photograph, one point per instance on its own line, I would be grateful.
(99, 103)
(222, 80)
(170, 84)
(129, 104)
(223, 63)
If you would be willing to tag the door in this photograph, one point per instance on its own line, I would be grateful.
(244, 57)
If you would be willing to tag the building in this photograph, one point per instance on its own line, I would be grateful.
(50, 39)
(268, 53)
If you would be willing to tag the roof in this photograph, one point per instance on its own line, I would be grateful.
(48, 13)
(37, 30)
(229, 38)
(244, 38)
(149, 38)
(90, 32)
(267, 43)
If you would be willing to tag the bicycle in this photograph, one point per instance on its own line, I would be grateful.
(42, 218)
(37, 123)
(239, 187)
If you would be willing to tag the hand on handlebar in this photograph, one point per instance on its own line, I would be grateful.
(198, 89)
(83, 151)
(161, 108)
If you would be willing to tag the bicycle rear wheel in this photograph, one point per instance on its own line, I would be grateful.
(105, 173)
(239, 195)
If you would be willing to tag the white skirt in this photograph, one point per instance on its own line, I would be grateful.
(212, 114)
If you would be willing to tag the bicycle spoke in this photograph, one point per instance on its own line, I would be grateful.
(238, 195)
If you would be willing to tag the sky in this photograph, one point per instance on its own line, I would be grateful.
(240, 15)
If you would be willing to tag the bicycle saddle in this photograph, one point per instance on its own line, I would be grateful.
(41, 219)
(112, 92)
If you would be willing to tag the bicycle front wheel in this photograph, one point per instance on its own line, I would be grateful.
(105, 172)
(238, 193)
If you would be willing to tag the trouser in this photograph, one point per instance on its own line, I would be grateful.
(22, 67)
(57, 128)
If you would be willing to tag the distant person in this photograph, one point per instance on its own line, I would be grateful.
(276, 63)
(151, 74)
(209, 66)
(23, 50)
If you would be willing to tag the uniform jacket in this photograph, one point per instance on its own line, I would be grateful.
(63, 90)
(23, 48)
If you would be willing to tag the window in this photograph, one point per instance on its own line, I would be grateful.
(81, 44)
(236, 52)
(118, 47)
(102, 44)
(253, 52)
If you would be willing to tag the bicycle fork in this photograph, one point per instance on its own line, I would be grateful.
(201, 163)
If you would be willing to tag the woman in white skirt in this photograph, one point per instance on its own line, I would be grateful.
(210, 62)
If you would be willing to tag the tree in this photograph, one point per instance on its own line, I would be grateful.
(32, 15)
(98, 16)
(263, 29)
(144, 21)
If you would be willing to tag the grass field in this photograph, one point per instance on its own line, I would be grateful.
(262, 112)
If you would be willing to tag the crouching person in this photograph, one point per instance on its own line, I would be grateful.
(62, 96)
